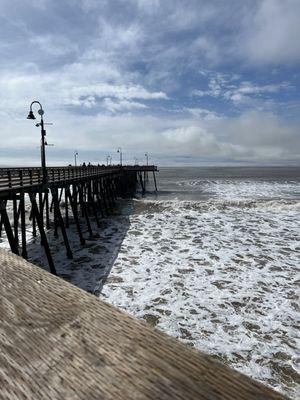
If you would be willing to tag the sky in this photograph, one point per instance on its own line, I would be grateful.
(190, 82)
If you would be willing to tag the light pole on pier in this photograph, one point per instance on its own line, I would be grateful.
(147, 163)
(75, 157)
(120, 151)
(43, 134)
(136, 161)
(108, 160)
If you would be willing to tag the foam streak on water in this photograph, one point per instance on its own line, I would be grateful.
(219, 274)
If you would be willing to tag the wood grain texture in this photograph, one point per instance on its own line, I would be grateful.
(58, 342)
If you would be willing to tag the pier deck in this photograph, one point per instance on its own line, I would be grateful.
(58, 342)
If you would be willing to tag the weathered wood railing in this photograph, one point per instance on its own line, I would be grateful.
(58, 342)
(16, 178)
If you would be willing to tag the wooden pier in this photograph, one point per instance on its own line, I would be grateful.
(56, 193)
(60, 343)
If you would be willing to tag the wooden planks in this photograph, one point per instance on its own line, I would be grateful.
(58, 342)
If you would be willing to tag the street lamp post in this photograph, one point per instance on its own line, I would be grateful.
(147, 162)
(120, 151)
(108, 160)
(43, 134)
(75, 157)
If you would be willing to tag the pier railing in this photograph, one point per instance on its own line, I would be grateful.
(18, 178)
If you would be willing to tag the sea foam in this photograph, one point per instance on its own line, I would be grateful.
(220, 275)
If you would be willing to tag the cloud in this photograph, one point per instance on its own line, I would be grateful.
(271, 35)
(263, 130)
(196, 141)
(203, 113)
(121, 73)
(247, 93)
(121, 105)
(68, 87)
(77, 95)
(217, 83)
(253, 137)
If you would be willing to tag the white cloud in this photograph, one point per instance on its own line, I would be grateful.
(225, 87)
(271, 34)
(121, 105)
(75, 95)
(217, 84)
(68, 87)
(263, 131)
(250, 137)
(246, 91)
(54, 45)
(203, 113)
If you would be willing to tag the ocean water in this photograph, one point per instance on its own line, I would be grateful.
(212, 259)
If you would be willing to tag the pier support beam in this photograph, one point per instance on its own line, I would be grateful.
(60, 222)
(39, 217)
(8, 229)
(154, 178)
(142, 183)
(47, 209)
(16, 219)
(23, 225)
(72, 200)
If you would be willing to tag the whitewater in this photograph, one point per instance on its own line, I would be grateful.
(215, 263)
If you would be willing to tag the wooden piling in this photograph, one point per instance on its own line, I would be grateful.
(154, 178)
(8, 229)
(16, 220)
(73, 201)
(60, 222)
(66, 210)
(38, 217)
(23, 225)
(1, 225)
(142, 183)
(47, 211)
